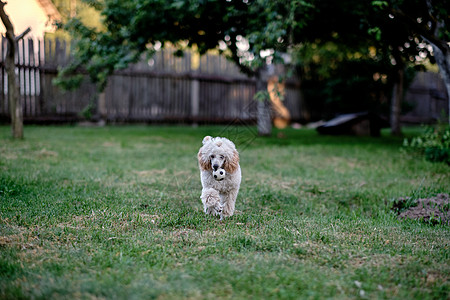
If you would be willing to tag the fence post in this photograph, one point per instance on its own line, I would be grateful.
(263, 108)
(41, 62)
(195, 88)
(195, 100)
(101, 107)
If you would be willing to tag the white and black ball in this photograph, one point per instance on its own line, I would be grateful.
(219, 174)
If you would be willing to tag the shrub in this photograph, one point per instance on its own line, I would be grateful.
(434, 144)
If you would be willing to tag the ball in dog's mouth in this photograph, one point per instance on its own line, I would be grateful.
(219, 174)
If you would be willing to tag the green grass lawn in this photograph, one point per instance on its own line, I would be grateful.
(115, 212)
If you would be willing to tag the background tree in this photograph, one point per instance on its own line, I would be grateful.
(133, 28)
(427, 21)
(15, 105)
(357, 26)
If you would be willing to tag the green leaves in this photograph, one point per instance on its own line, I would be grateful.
(262, 96)
(380, 4)
(434, 144)
(375, 32)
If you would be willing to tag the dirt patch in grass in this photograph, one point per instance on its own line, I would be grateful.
(434, 210)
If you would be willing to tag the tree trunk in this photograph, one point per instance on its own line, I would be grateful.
(441, 53)
(397, 97)
(15, 105)
(443, 62)
(264, 119)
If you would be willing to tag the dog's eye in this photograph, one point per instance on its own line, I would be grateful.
(221, 157)
(212, 156)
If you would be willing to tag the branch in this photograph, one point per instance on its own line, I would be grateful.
(431, 11)
(420, 29)
(20, 36)
(8, 25)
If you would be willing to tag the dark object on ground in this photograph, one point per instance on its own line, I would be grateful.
(361, 124)
(434, 210)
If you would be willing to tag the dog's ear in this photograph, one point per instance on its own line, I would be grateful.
(203, 161)
(206, 139)
(232, 163)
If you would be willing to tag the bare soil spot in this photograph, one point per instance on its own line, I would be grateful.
(434, 210)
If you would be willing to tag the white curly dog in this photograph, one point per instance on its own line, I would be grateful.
(219, 195)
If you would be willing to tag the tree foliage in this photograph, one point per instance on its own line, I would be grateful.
(134, 27)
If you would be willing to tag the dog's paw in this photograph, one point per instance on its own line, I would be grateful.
(211, 202)
(214, 209)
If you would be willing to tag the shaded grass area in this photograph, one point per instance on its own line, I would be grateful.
(115, 212)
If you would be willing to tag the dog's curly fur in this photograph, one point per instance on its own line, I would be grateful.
(219, 197)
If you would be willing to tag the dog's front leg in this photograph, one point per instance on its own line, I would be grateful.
(211, 202)
(229, 200)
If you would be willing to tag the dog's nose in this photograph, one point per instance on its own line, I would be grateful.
(215, 167)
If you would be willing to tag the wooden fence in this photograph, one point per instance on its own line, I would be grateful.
(164, 88)
(427, 99)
